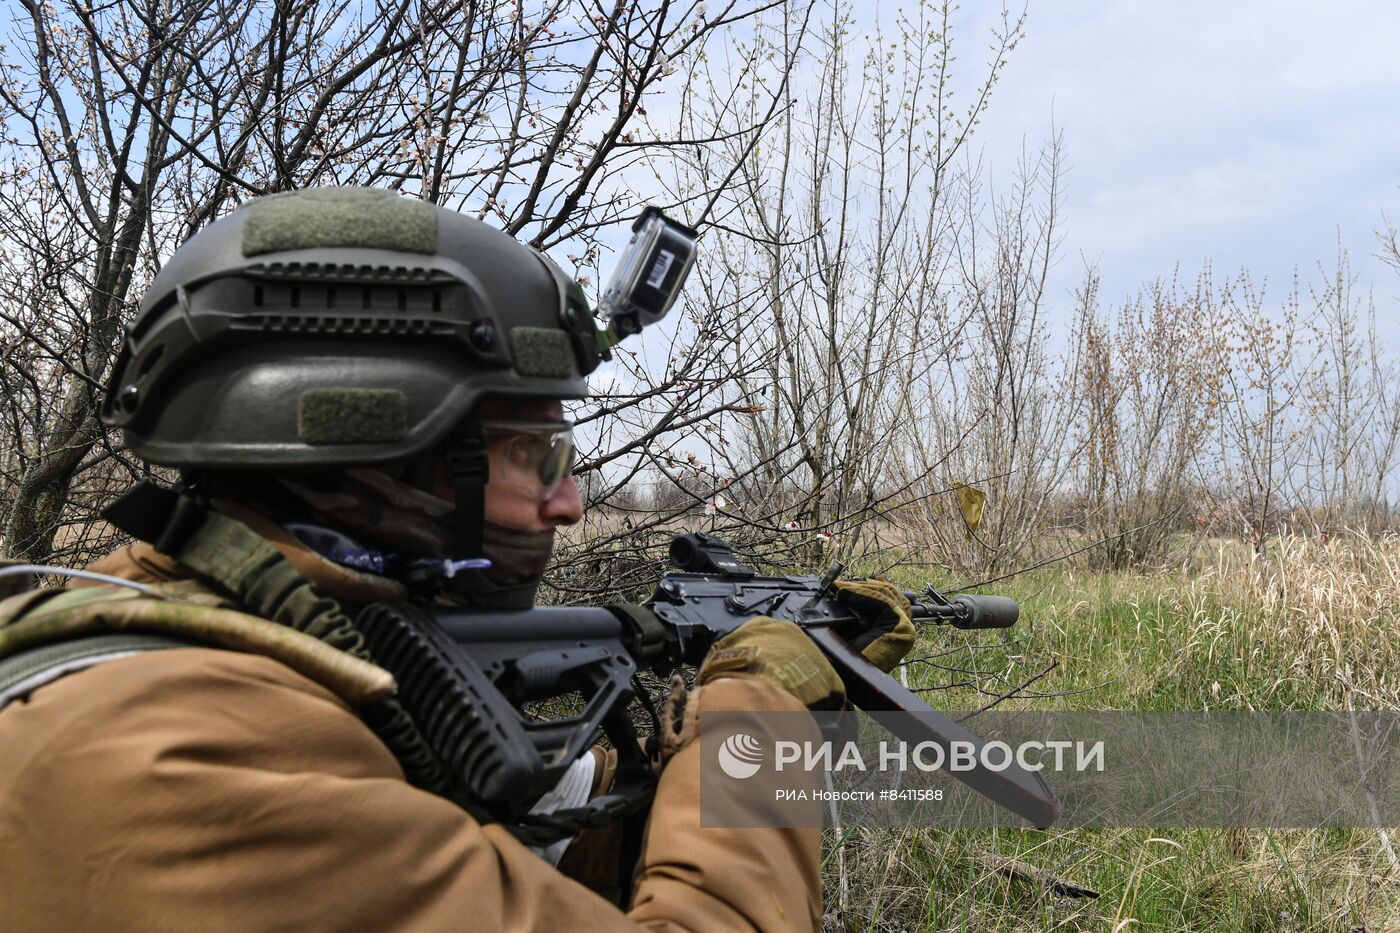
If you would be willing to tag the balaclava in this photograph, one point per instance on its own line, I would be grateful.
(395, 524)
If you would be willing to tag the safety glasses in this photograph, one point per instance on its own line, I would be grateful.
(534, 456)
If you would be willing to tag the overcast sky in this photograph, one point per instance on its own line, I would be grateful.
(1247, 133)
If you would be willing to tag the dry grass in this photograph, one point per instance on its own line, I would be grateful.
(1329, 610)
(1314, 625)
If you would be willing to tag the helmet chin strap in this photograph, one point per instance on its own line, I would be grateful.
(469, 468)
(516, 558)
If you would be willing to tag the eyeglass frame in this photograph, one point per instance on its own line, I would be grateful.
(498, 427)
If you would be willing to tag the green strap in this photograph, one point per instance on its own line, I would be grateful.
(231, 554)
(29, 670)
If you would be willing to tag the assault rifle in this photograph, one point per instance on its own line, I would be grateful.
(498, 662)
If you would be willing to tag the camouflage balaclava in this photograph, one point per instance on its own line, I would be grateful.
(388, 523)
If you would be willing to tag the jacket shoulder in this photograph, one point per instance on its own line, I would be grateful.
(204, 789)
(125, 715)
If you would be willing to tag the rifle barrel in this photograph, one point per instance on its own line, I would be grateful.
(968, 612)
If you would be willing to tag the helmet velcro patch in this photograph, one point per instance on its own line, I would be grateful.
(352, 416)
(369, 218)
(542, 351)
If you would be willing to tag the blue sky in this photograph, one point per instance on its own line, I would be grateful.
(1246, 133)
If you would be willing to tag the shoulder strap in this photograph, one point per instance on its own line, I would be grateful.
(23, 673)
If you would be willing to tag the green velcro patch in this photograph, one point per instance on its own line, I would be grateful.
(360, 217)
(352, 416)
(542, 351)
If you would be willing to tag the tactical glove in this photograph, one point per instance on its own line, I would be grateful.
(780, 653)
(888, 634)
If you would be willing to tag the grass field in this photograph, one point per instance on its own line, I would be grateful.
(1314, 626)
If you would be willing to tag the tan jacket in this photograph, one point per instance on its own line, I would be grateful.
(201, 789)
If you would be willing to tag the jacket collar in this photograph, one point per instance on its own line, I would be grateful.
(142, 563)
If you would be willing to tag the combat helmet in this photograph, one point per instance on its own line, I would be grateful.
(345, 327)
(340, 326)
(350, 327)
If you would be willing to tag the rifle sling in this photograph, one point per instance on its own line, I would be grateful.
(646, 636)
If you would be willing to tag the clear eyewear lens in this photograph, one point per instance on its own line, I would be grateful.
(535, 457)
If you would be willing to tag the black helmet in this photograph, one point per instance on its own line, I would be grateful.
(337, 327)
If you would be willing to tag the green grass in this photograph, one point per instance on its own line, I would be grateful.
(1312, 629)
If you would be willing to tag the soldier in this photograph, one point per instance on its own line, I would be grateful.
(362, 395)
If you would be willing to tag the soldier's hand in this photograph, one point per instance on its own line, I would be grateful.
(780, 653)
(888, 634)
